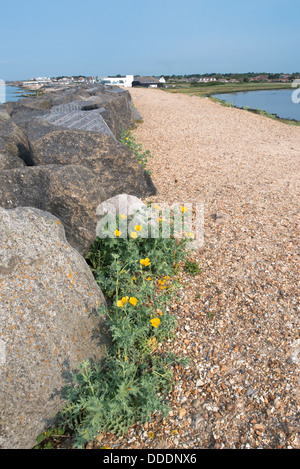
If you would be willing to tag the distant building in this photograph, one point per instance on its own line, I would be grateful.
(285, 77)
(206, 79)
(260, 78)
(117, 81)
(148, 82)
(130, 80)
(38, 81)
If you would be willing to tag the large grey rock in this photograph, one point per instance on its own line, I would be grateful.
(116, 102)
(114, 164)
(136, 115)
(14, 143)
(49, 322)
(57, 132)
(70, 192)
(8, 161)
(81, 120)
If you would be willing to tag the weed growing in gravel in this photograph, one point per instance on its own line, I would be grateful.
(142, 156)
(192, 267)
(137, 277)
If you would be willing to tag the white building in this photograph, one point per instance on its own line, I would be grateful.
(117, 81)
(38, 81)
(206, 80)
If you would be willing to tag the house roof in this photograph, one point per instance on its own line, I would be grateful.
(146, 79)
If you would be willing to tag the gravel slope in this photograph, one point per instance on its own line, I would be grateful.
(238, 319)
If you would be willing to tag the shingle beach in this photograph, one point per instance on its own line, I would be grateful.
(238, 318)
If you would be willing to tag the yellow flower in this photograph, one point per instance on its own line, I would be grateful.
(190, 235)
(156, 207)
(123, 216)
(155, 322)
(151, 435)
(133, 300)
(161, 282)
(183, 209)
(134, 279)
(133, 235)
(138, 228)
(122, 302)
(117, 233)
(145, 262)
(152, 340)
(149, 278)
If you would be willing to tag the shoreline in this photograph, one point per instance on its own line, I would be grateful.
(199, 91)
(228, 88)
(255, 111)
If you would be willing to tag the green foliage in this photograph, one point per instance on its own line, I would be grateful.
(45, 439)
(208, 84)
(192, 267)
(142, 156)
(137, 277)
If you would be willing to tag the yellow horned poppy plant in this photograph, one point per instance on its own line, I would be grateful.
(133, 300)
(155, 322)
(145, 262)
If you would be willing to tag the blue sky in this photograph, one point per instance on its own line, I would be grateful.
(165, 37)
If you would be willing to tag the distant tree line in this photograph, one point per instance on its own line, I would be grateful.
(237, 76)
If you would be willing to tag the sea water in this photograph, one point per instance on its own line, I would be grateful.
(284, 103)
(10, 93)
